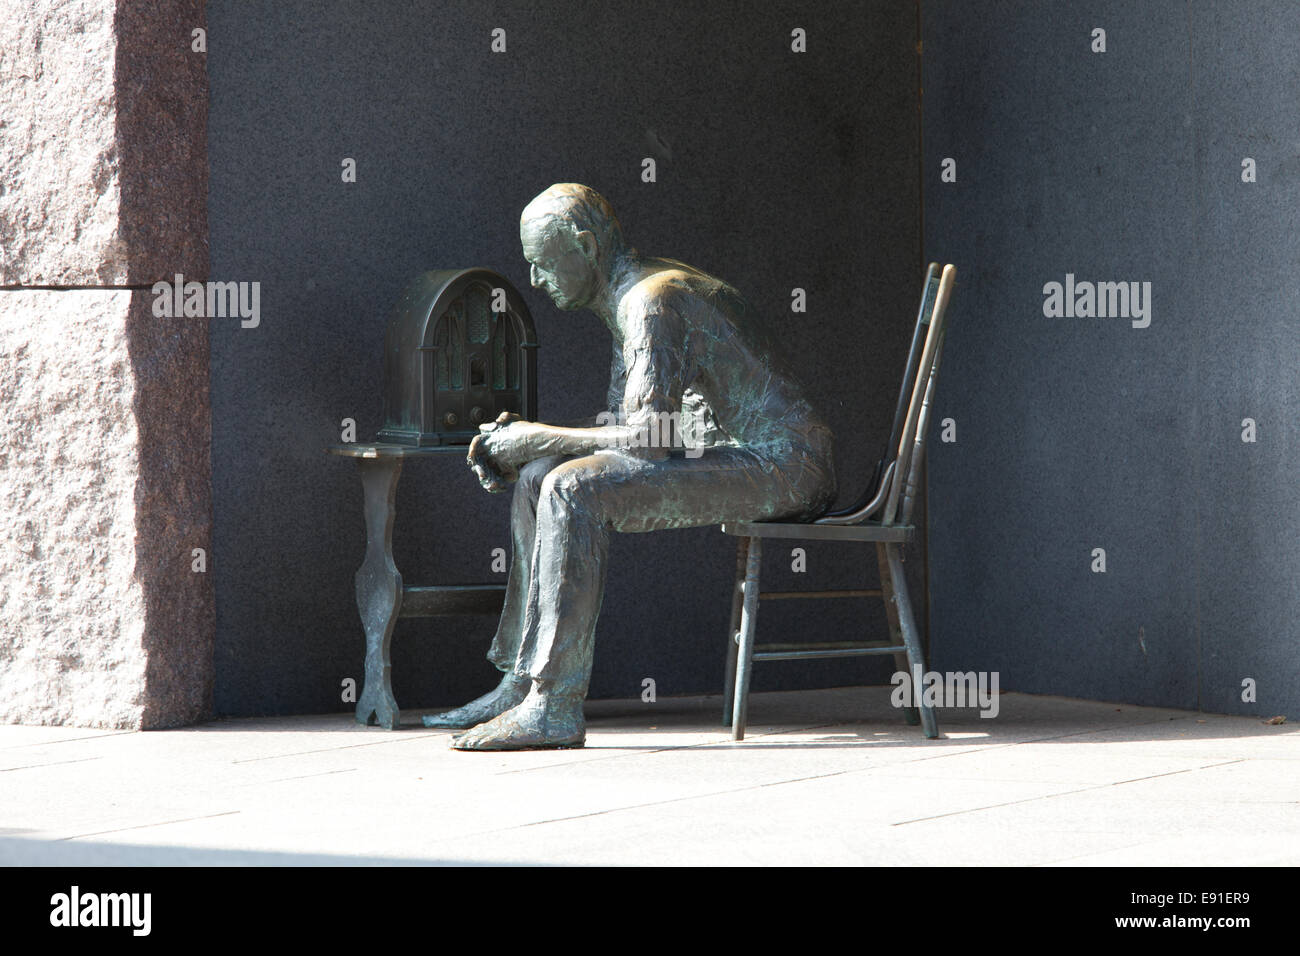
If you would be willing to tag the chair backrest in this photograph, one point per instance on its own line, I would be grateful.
(911, 445)
(892, 470)
(929, 290)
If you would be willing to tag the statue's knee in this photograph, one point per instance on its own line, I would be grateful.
(567, 488)
(531, 477)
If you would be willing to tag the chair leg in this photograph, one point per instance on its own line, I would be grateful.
(748, 624)
(911, 716)
(911, 637)
(733, 632)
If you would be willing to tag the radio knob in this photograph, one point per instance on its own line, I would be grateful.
(450, 419)
(477, 415)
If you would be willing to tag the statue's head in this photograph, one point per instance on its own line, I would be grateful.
(571, 239)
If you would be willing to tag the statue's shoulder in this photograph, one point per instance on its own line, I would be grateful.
(656, 307)
(670, 284)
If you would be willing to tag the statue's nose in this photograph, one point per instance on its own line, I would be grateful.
(534, 278)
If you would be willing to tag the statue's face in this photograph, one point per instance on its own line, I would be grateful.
(559, 263)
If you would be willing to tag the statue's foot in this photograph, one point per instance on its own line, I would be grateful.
(540, 722)
(505, 695)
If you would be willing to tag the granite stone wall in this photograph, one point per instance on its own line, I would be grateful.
(104, 442)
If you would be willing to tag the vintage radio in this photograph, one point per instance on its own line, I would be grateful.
(460, 349)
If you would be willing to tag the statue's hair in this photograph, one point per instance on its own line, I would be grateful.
(582, 209)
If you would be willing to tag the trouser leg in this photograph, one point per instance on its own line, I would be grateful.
(583, 499)
(570, 551)
(523, 524)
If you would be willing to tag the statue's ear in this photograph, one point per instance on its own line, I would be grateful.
(587, 243)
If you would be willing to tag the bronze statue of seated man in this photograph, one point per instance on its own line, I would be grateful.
(688, 350)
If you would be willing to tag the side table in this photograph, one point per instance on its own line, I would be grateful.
(381, 598)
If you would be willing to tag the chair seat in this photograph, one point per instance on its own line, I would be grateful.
(867, 531)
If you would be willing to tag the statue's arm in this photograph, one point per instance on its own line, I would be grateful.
(653, 387)
(649, 377)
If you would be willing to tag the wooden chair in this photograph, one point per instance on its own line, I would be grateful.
(882, 516)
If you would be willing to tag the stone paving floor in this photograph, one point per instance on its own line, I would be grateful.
(823, 777)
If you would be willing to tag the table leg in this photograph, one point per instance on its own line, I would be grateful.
(379, 591)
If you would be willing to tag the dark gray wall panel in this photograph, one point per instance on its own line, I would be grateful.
(1245, 74)
(785, 170)
(1077, 433)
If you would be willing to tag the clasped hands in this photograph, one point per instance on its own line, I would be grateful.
(499, 449)
(503, 446)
